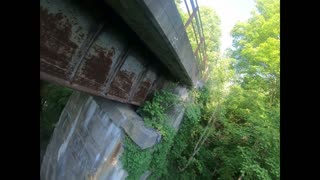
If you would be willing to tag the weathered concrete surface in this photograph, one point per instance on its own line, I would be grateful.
(85, 144)
(175, 115)
(131, 123)
(200, 84)
(176, 112)
(159, 25)
(87, 141)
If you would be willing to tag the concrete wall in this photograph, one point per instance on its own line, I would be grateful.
(88, 139)
(86, 144)
(159, 25)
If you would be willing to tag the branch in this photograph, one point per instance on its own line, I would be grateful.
(202, 139)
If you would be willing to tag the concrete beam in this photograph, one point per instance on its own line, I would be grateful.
(160, 27)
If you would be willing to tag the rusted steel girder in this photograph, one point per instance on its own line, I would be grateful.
(86, 53)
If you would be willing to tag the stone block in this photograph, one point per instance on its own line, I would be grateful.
(126, 118)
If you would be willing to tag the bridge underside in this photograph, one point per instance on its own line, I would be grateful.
(91, 46)
(84, 45)
(87, 46)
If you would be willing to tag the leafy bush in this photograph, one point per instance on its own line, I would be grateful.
(137, 161)
(53, 98)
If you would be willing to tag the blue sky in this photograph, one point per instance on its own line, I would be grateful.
(230, 12)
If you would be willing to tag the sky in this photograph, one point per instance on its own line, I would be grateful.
(230, 12)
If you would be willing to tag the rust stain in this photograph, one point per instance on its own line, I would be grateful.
(141, 94)
(96, 68)
(112, 161)
(58, 44)
(52, 70)
(56, 48)
(121, 85)
(116, 152)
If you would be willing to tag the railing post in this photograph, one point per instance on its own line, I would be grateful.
(198, 32)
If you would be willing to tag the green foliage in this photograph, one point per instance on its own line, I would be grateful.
(249, 145)
(186, 132)
(257, 49)
(244, 140)
(153, 111)
(194, 122)
(137, 161)
(53, 98)
(159, 161)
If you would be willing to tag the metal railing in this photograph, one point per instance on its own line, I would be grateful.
(200, 52)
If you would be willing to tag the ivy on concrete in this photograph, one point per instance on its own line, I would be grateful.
(137, 161)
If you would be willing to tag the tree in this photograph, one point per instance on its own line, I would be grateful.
(257, 49)
(249, 144)
(231, 129)
(244, 140)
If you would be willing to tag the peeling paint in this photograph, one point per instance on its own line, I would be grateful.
(95, 68)
(111, 67)
(56, 48)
